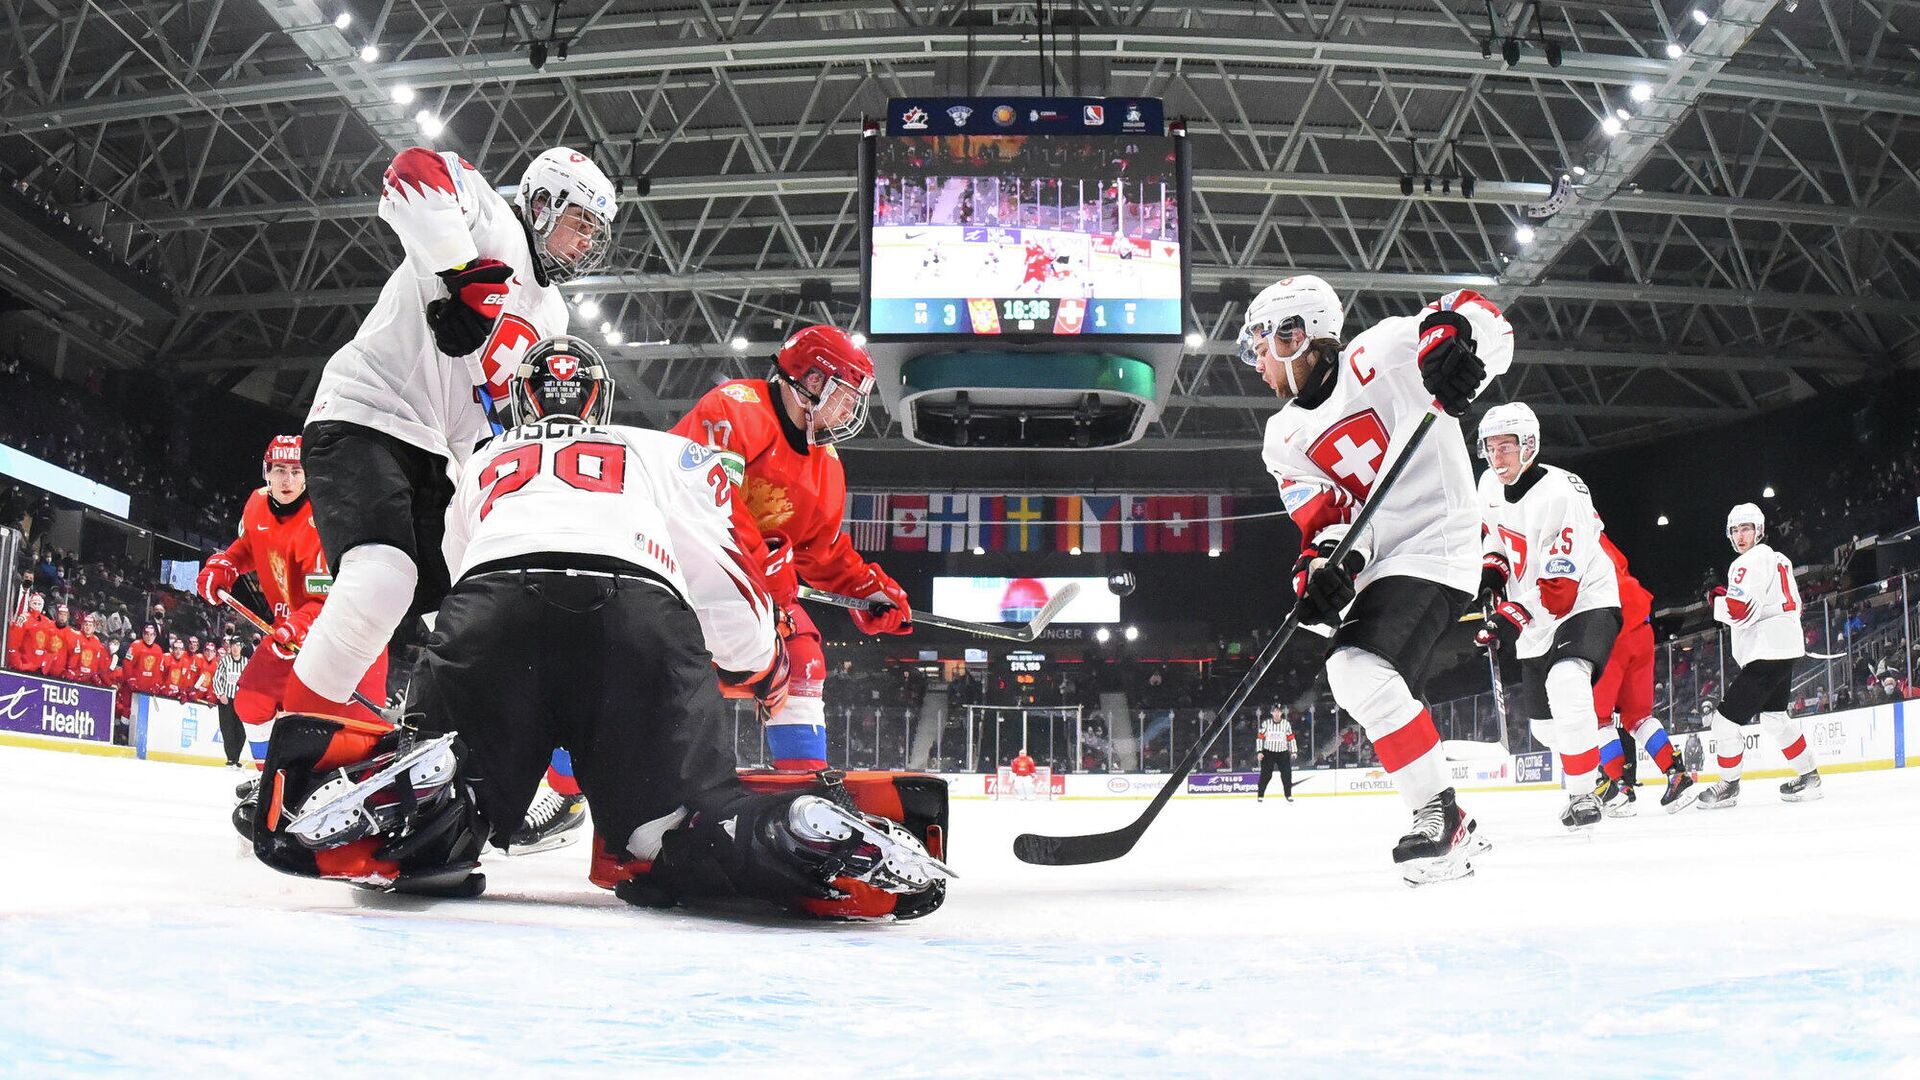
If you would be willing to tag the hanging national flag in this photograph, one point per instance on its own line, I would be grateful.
(950, 522)
(1175, 529)
(1066, 515)
(988, 513)
(1219, 522)
(867, 523)
(908, 514)
(1021, 512)
(1134, 533)
(1099, 523)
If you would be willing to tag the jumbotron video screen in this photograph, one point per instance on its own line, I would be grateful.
(1026, 235)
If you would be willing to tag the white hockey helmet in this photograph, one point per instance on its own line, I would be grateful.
(1747, 514)
(556, 180)
(1302, 302)
(1514, 418)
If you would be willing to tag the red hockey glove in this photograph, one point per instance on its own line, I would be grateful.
(216, 577)
(781, 581)
(290, 631)
(1715, 593)
(1495, 573)
(1504, 622)
(462, 319)
(896, 617)
(1449, 368)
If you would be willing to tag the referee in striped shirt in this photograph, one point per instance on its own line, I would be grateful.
(226, 678)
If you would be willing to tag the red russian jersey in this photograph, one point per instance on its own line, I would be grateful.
(177, 674)
(87, 663)
(202, 689)
(145, 667)
(27, 642)
(1636, 603)
(60, 645)
(285, 553)
(1022, 766)
(790, 488)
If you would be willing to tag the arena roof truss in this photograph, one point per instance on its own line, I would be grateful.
(1748, 237)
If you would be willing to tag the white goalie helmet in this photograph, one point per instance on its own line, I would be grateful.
(1514, 418)
(1747, 514)
(1303, 302)
(557, 180)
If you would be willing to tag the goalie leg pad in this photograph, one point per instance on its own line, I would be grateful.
(345, 801)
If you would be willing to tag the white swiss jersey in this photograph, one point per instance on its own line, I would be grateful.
(647, 498)
(391, 377)
(1762, 606)
(1328, 458)
(1550, 535)
(1276, 735)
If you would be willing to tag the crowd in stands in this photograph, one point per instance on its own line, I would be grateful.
(96, 241)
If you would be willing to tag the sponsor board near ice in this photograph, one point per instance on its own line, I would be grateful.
(1533, 767)
(1226, 783)
(30, 705)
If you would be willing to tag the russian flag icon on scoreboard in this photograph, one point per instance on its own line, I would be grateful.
(1093, 115)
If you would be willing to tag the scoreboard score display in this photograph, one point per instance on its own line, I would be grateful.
(1025, 218)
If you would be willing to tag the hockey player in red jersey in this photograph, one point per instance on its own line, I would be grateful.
(88, 662)
(280, 546)
(1411, 574)
(781, 429)
(29, 636)
(1626, 690)
(401, 406)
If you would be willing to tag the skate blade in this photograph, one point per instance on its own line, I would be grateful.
(325, 825)
(546, 843)
(1810, 795)
(1433, 871)
(1624, 810)
(1724, 804)
(897, 859)
(1686, 798)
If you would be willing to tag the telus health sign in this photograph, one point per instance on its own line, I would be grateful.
(31, 705)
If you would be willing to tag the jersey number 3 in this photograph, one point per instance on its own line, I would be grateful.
(586, 466)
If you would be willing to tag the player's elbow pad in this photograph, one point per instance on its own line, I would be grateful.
(1557, 595)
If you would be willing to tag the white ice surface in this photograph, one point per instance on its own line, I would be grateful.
(1236, 940)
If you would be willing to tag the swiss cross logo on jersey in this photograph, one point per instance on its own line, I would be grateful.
(562, 366)
(1352, 451)
(503, 352)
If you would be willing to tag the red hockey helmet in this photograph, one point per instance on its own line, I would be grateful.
(1023, 599)
(833, 376)
(283, 450)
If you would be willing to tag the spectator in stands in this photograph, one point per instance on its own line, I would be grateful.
(119, 624)
(1890, 687)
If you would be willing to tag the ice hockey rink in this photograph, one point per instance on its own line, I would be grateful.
(1238, 939)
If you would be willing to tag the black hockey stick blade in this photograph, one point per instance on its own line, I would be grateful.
(1107, 846)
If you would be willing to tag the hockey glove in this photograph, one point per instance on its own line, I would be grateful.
(896, 614)
(1715, 593)
(1324, 590)
(1495, 572)
(1449, 368)
(290, 631)
(781, 581)
(462, 319)
(1504, 622)
(216, 577)
(768, 686)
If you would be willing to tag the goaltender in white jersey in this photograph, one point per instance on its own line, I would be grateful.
(1348, 415)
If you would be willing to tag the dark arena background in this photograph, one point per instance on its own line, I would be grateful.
(1046, 222)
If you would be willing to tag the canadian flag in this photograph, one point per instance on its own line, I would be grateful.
(909, 522)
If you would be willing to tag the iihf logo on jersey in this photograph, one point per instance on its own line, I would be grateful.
(959, 114)
(562, 366)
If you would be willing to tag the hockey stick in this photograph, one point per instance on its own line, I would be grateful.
(1499, 691)
(1029, 632)
(266, 628)
(1107, 846)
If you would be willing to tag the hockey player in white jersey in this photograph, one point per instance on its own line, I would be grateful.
(1760, 603)
(1348, 411)
(600, 586)
(1550, 593)
(401, 406)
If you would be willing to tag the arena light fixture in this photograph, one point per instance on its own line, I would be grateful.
(1195, 339)
(1700, 16)
(1579, 170)
(1523, 235)
(1103, 635)
(615, 337)
(1074, 550)
(430, 124)
(1675, 50)
(1622, 115)
(369, 53)
(1213, 553)
(343, 20)
(589, 308)
(860, 340)
(1510, 51)
(1767, 493)
(606, 328)
(1640, 92)
(739, 344)
(1662, 520)
(1133, 633)
(1611, 125)
(403, 94)
(979, 550)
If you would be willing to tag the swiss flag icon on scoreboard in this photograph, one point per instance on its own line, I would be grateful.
(1352, 451)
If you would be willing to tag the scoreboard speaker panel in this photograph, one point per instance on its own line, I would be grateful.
(991, 400)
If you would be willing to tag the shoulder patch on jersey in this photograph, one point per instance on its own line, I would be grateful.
(1293, 496)
(1559, 567)
(319, 584)
(741, 393)
(735, 465)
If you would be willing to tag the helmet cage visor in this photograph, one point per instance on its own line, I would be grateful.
(547, 215)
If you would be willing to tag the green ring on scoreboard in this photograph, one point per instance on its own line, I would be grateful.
(986, 369)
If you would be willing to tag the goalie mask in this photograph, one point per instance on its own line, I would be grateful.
(832, 377)
(1513, 418)
(568, 204)
(561, 378)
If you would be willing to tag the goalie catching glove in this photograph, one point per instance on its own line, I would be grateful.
(462, 319)
(1449, 368)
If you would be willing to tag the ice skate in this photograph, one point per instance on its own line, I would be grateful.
(1682, 790)
(1720, 796)
(1582, 813)
(1615, 797)
(1802, 788)
(553, 821)
(1440, 844)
